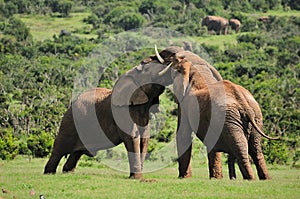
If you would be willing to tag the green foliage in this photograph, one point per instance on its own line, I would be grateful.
(36, 77)
(9, 147)
(40, 144)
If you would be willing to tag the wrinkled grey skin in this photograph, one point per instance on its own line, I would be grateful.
(235, 25)
(211, 75)
(94, 115)
(216, 23)
(241, 132)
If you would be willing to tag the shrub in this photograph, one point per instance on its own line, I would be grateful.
(40, 145)
(9, 147)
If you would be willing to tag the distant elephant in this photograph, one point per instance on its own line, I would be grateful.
(94, 114)
(235, 24)
(242, 129)
(216, 23)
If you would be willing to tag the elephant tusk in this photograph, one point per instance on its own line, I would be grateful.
(165, 70)
(161, 60)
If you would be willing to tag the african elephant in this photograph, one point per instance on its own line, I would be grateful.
(216, 23)
(235, 24)
(229, 104)
(211, 75)
(102, 118)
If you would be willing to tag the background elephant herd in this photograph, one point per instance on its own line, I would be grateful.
(220, 25)
(224, 116)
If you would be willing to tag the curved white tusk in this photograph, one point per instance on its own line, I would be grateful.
(165, 70)
(161, 60)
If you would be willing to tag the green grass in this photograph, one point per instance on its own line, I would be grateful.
(43, 27)
(281, 13)
(21, 175)
(218, 40)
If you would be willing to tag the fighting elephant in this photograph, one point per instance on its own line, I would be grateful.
(216, 23)
(241, 130)
(211, 75)
(235, 25)
(101, 119)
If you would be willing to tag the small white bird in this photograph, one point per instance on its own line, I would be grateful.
(42, 197)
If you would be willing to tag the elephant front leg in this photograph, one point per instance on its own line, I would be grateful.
(184, 150)
(132, 145)
(215, 165)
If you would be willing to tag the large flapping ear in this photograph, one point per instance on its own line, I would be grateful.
(181, 82)
(126, 92)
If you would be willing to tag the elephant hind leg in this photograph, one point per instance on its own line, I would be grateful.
(257, 156)
(238, 145)
(231, 168)
(72, 160)
(215, 165)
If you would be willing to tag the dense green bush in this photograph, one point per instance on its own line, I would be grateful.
(37, 77)
(9, 147)
(40, 144)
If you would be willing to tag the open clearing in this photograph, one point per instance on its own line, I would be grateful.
(20, 176)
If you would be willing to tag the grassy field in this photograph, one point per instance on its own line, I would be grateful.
(43, 27)
(20, 176)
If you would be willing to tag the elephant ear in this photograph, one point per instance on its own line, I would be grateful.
(126, 92)
(181, 81)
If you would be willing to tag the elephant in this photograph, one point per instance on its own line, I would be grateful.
(241, 130)
(101, 118)
(211, 75)
(216, 23)
(235, 24)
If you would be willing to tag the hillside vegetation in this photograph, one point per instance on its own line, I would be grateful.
(43, 44)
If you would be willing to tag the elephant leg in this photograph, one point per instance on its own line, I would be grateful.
(184, 150)
(52, 163)
(231, 168)
(144, 142)
(238, 144)
(132, 145)
(215, 165)
(72, 160)
(257, 156)
(143, 148)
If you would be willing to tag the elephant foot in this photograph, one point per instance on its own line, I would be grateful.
(49, 172)
(232, 178)
(69, 170)
(265, 178)
(187, 175)
(136, 176)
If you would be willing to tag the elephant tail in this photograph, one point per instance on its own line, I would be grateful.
(261, 132)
